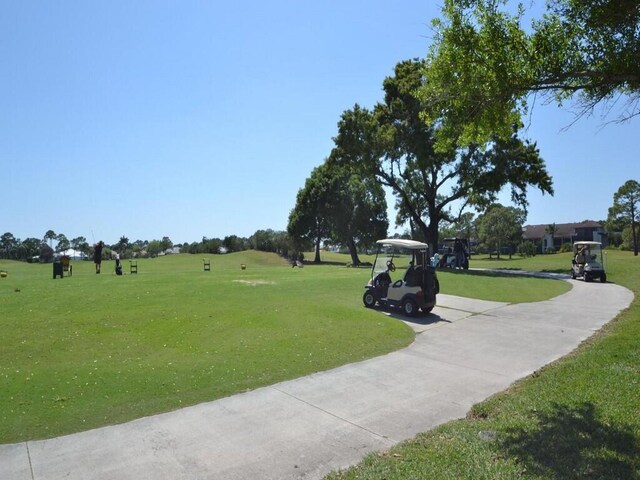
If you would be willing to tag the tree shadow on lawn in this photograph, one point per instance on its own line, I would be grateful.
(501, 272)
(323, 263)
(420, 319)
(506, 272)
(571, 442)
(566, 271)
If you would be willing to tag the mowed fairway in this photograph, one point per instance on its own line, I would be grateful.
(93, 350)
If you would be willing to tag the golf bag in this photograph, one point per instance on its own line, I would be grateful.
(118, 267)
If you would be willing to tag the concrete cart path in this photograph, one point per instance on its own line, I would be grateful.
(305, 428)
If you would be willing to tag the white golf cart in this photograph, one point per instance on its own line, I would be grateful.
(587, 261)
(418, 286)
(455, 253)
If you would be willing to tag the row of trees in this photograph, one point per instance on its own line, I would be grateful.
(447, 136)
(45, 249)
(17, 249)
(340, 206)
(499, 228)
(264, 240)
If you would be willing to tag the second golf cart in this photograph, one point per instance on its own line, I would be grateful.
(587, 261)
(455, 253)
(418, 285)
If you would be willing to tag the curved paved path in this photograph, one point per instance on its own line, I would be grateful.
(305, 428)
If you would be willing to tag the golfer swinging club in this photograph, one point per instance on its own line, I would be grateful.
(97, 255)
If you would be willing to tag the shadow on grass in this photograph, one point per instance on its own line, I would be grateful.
(420, 319)
(502, 272)
(556, 270)
(509, 272)
(311, 263)
(574, 443)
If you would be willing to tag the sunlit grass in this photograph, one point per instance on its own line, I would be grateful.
(92, 350)
(579, 418)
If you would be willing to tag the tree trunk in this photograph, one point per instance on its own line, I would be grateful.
(432, 238)
(317, 259)
(412, 229)
(355, 261)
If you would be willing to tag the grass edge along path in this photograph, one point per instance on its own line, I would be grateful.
(93, 350)
(89, 351)
(576, 418)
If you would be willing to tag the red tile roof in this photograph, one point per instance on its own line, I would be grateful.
(563, 230)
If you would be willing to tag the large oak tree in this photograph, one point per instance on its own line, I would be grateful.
(393, 143)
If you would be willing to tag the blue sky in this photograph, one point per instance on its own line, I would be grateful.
(204, 118)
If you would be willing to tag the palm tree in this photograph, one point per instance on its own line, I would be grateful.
(122, 245)
(63, 243)
(51, 236)
(551, 230)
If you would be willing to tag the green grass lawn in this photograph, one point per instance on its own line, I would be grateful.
(499, 287)
(92, 350)
(578, 418)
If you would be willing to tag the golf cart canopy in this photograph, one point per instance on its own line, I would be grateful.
(586, 243)
(401, 243)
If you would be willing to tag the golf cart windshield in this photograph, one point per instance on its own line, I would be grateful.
(399, 252)
(400, 260)
(591, 251)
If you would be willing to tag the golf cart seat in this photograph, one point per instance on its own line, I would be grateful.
(413, 277)
(381, 284)
(66, 265)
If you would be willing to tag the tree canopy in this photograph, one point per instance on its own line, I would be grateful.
(340, 205)
(625, 211)
(500, 227)
(308, 220)
(393, 143)
(483, 64)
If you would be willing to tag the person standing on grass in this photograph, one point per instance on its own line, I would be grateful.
(458, 250)
(97, 255)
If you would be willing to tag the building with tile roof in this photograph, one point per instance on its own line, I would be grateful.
(565, 233)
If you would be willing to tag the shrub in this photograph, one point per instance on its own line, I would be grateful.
(527, 249)
(566, 247)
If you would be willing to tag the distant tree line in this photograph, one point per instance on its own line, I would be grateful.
(343, 208)
(263, 240)
(40, 249)
(45, 249)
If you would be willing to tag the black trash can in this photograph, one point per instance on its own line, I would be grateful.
(57, 270)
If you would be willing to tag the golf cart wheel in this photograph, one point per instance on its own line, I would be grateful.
(587, 277)
(427, 309)
(573, 274)
(369, 299)
(603, 278)
(409, 307)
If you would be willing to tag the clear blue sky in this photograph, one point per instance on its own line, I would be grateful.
(204, 118)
